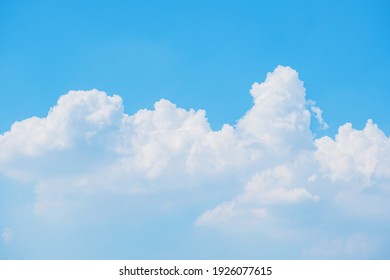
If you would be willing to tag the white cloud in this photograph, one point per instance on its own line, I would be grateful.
(7, 235)
(275, 186)
(317, 113)
(355, 154)
(77, 117)
(261, 171)
(301, 180)
(279, 112)
(281, 186)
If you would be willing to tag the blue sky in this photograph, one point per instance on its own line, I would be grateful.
(200, 55)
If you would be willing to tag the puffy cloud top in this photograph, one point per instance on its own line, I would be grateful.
(279, 111)
(87, 144)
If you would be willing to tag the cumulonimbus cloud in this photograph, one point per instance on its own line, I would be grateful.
(87, 144)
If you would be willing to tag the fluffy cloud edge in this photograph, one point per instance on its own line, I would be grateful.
(270, 157)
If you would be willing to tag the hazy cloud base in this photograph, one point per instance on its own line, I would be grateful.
(264, 188)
